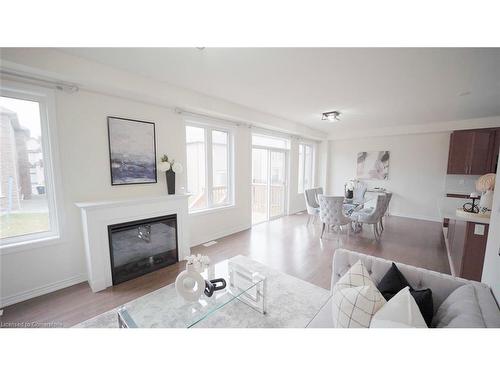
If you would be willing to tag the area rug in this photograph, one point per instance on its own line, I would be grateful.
(291, 303)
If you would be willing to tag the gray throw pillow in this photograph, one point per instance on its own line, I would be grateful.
(459, 310)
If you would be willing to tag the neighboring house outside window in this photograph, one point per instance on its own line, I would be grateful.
(27, 194)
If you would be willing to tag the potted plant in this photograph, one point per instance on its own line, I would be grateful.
(170, 167)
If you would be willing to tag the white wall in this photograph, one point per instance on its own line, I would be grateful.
(322, 159)
(417, 170)
(84, 162)
(297, 201)
(491, 267)
(84, 159)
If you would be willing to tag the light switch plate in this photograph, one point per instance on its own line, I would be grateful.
(479, 229)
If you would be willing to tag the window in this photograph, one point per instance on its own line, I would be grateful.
(305, 167)
(209, 159)
(27, 196)
(270, 141)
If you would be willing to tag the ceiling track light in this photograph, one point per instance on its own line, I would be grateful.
(331, 116)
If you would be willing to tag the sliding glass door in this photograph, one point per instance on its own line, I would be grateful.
(277, 186)
(269, 183)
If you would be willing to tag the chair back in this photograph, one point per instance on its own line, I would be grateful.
(331, 210)
(359, 191)
(388, 197)
(372, 216)
(311, 197)
(380, 208)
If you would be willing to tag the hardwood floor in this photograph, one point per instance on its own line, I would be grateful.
(286, 244)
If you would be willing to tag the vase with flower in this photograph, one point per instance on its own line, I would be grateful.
(171, 168)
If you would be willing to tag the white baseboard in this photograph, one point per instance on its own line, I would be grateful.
(214, 236)
(36, 292)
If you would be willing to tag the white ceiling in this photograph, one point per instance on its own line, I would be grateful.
(372, 87)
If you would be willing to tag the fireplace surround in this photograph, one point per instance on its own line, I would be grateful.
(98, 216)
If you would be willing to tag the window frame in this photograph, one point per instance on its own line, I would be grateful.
(208, 127)
(302, 177)
(46, 99)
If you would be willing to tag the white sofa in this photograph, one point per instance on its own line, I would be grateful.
(442, 286)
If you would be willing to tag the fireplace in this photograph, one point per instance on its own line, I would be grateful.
(142, 246)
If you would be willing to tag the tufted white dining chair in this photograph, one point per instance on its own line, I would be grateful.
(312, 205)
(372, 215)
(331, 213)
(359, 190)
(358, 195)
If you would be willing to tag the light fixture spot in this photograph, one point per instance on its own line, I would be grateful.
(331, 116)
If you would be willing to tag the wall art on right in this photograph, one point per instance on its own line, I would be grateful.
(373, 165)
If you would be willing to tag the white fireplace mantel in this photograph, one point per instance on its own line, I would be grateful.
(96, 216)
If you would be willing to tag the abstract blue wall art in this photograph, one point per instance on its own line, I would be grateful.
(132, 151)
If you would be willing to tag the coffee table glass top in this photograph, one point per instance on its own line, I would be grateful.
(167, 309)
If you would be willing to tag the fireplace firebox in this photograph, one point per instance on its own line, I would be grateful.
(142, 246)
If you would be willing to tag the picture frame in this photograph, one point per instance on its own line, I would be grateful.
(132, 151)
(373, 165)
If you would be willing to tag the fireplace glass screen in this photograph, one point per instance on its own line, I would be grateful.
(142, 246)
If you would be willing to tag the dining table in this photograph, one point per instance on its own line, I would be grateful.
(355, 204)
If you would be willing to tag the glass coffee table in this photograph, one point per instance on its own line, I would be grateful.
(164, 308)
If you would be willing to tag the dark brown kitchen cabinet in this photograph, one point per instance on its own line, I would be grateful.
(467, 248)
(496, 151)
(460, 152)
(482, 151)
(472, 152)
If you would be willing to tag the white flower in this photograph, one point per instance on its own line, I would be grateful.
(177, 167)
(164, 166)
(205, 260)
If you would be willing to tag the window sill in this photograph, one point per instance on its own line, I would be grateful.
(207, 211)
(29, 244)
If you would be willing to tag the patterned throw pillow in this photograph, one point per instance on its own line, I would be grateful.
(355, 299)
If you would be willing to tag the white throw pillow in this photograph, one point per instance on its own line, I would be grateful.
(400, 312)
(355, 299)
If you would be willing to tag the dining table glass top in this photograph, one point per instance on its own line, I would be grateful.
(359, 201)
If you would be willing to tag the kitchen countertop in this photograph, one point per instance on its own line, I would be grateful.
(448, 210)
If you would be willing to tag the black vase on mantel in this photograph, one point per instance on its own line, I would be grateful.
(170, 181)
